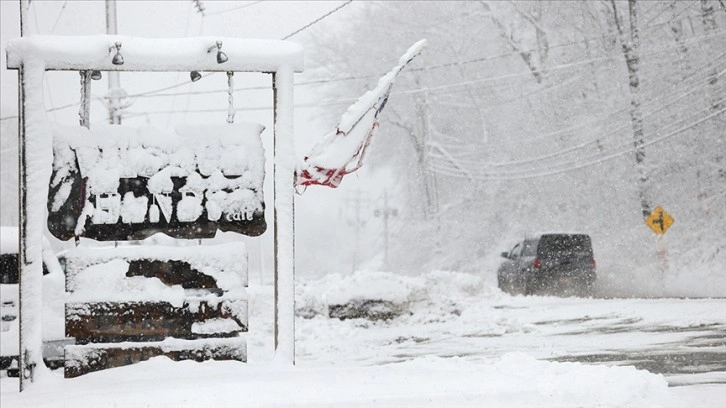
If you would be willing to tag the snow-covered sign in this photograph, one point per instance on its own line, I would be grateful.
(105, 209)
(342, 151)
(119, 183)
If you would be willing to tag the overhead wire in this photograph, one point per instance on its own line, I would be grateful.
(449, 172)
(344, 101)
(317, 20)
(562, 66)
(60, 14)
(703, 79)
(487, 168)
(477, 166)
(369, 76)
(471, 151)
(234, 8)
(186, 34)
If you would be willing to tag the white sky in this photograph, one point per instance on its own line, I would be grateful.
(243, 19)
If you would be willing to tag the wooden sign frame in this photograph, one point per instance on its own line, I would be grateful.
(32, 56)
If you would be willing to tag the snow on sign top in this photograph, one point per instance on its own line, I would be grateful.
(145, 54)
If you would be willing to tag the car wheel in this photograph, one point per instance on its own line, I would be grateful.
(502, 285)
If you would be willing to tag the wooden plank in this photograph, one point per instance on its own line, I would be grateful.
(221, 267)
(172, 272)
(84, 359)
(110, 322)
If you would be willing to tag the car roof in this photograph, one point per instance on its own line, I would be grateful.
(538, 235)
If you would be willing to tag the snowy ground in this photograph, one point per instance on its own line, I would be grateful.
(459, 342)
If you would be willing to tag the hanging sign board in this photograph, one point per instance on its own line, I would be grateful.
(659, 221)
(114, 183)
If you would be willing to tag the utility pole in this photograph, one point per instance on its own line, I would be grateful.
(358, 201)
(385, 211)
(24, 4)
(115, 93)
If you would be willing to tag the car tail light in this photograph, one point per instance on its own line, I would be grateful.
(537, 263)
(594, 264)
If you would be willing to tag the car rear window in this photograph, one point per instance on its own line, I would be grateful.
(564, 245)
(530, 247)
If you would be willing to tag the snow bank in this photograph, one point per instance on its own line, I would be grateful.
(433, 292)
(515, 380)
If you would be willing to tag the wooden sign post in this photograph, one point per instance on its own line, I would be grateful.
(32, 56)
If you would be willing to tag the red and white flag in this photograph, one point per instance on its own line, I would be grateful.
(343, 150)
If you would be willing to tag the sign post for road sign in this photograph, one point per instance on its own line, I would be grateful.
(659, 221)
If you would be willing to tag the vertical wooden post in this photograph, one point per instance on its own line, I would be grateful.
(284, 227)
(23, 223)
(29, 353)
(661, 248)
(32, 182)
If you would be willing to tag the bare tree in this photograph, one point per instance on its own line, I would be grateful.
(516, 43)
(709, 27)
(630, 47)
(676, 26)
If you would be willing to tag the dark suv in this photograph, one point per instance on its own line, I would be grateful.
(549, 263)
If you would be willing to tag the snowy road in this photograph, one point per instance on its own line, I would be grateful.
(683, 339)
(460, 342)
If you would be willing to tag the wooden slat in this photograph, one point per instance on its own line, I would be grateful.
(190, 267)
(109, 322)
(84, 359)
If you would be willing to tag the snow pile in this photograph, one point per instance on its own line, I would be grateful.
(515, 380)
(437, 292)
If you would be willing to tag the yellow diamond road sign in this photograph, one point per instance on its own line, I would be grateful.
(659, 221)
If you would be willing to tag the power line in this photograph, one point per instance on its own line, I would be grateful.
(412, 69)
(63, 8)
(317, 20)
(438, 89)
(697, 86)
(369, 76)
(482, 174)
(525, 73)
(234, 8)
